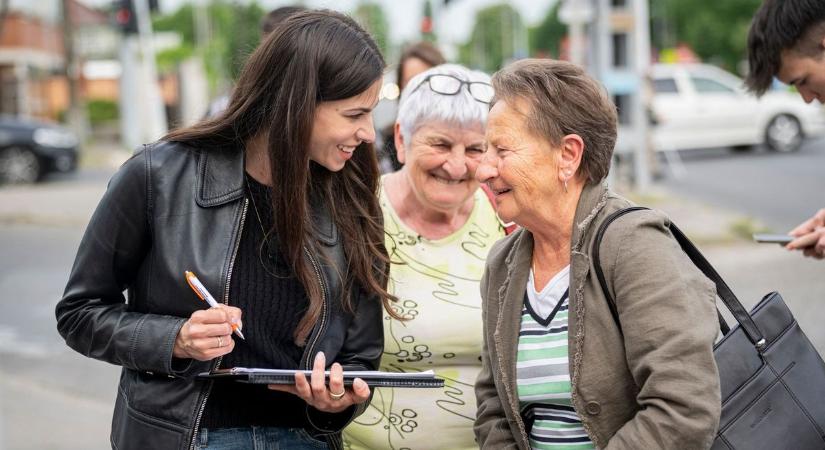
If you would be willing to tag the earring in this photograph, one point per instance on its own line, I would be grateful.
(565, 185)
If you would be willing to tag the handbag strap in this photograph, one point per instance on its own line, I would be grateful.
(723, 291)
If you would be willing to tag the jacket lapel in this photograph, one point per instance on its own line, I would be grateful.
(511, 297)
(220, 176)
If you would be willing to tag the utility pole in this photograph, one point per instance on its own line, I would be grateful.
(75, 114)
(576, 14)
(142, 113)
(641, 65)
(155, 111)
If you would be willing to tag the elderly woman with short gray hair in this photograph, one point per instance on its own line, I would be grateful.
(559, 371)
(440, 226)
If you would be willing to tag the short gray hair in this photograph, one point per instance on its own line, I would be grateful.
(420, 106)
(563, 99)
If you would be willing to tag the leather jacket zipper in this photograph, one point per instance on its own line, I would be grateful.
(308, 357)
(217, 362)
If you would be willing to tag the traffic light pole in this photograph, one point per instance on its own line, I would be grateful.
(143, 115)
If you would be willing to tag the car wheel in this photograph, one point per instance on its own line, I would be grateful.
(784, 134)
(19, 165)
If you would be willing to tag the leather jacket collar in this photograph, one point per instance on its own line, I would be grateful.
(220, 180)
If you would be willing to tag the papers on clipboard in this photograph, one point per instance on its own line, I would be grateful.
(373, 378)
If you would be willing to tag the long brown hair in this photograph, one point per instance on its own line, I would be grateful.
(312, 57)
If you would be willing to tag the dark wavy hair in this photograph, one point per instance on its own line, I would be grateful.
(311, 57)
(780, 25)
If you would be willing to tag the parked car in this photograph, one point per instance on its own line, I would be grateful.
(30, 149)
(701, 106)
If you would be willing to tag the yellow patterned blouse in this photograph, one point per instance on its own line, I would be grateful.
(438, 291)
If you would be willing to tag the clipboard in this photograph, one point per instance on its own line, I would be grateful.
(373, 378)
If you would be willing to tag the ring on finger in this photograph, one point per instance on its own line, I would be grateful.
(220, 342)
(338, 396)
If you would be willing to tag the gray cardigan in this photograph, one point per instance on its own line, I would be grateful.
(656, 387)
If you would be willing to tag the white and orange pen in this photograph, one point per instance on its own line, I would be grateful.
(204, 295)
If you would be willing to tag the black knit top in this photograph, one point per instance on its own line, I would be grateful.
(273, 302)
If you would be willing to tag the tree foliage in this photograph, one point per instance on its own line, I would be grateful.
(233, 33)
(371, 16)
(546, 37)
(716, 29)
(493, 39)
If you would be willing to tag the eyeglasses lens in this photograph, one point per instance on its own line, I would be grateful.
(445, 84)
(482, 92)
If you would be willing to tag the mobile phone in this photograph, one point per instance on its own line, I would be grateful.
(772, 238)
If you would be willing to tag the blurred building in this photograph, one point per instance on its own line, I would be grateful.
(621, 60)
(33, 78)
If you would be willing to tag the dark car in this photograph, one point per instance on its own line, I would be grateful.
(30, 149)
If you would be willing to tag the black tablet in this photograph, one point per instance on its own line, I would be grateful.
(373, 378)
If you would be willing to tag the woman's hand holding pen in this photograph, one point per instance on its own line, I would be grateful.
(207, 334)
(336, 398)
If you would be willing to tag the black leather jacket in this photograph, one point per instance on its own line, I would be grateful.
(172, 208)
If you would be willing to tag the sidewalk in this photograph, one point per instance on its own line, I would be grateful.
(63, 199)
(703, 224)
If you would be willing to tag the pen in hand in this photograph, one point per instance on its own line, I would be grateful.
(204, 295)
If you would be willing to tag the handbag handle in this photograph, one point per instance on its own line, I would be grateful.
(723, 291)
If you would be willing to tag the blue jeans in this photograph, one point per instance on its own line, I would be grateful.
(258, 438)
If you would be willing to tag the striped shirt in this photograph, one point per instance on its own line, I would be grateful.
(542, 369)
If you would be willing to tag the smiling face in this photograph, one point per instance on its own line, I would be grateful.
(519, 167)
(806, 73)
(340, 126)
(440, 162)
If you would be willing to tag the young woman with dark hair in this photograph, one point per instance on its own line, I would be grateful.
(273, 205)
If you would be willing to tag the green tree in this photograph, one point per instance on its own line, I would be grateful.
(546, 37)
(234, 32)
(371, 16)
(716, 29)
(494, 38)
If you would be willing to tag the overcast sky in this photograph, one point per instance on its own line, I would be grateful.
(453, 25)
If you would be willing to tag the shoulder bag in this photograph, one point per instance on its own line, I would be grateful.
(772, 378)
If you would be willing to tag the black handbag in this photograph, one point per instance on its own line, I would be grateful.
(772, 378)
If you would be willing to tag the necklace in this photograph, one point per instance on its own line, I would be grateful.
(265, 243)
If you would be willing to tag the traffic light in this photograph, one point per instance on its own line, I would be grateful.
(124, 16)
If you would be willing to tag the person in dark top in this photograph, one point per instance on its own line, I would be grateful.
(273, 205)
(414, 59)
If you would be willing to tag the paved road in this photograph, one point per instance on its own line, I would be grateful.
(780, 190)
(53, 398)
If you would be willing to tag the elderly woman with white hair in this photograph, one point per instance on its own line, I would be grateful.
(439, 225)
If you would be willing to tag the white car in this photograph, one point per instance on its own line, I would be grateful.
(702, 106)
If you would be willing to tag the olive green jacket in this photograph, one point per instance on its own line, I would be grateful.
(656, 385)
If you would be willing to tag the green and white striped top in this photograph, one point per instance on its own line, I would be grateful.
(542, 369)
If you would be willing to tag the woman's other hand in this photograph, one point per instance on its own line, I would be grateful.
(335, 399)
(207, 334)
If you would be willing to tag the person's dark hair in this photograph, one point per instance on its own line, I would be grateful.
(424, 51)
(311, 57)
(779, 25)
(562, 100)
(276, 16)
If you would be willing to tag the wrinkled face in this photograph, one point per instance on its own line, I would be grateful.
(806, 73)
(519, 167)
(440, 162)
(342, 125)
